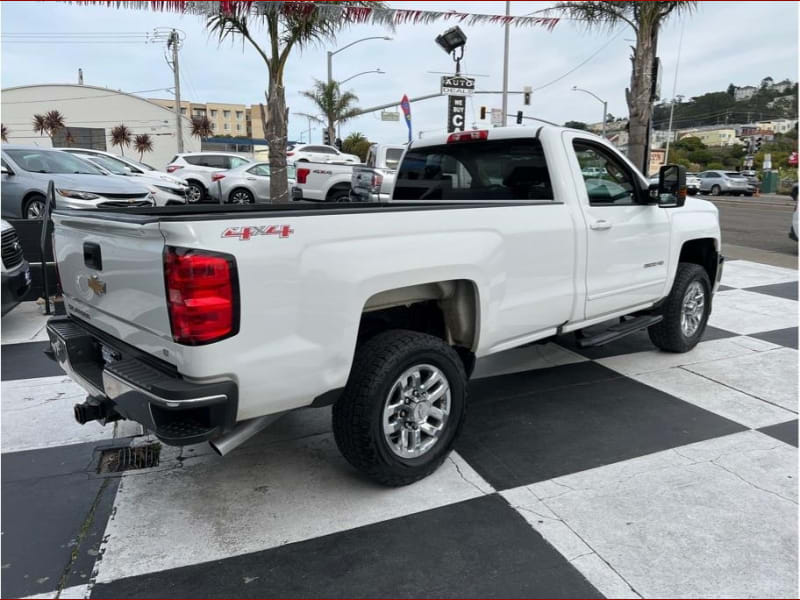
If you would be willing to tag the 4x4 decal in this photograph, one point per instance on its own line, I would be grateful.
(248, 231)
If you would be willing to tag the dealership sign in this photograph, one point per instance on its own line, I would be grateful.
(458, 85)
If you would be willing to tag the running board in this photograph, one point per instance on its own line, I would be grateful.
(618, 331)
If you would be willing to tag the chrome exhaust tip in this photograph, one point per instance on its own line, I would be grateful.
(242, 432)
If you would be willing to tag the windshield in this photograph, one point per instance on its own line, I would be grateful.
(733, 174)
(115, 166)
(51, 161)
(142, 165)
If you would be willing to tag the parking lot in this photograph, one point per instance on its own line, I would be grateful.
(615, 471)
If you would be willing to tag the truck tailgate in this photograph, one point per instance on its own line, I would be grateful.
(112, 276)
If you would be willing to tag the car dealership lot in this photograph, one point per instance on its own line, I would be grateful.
(615, 471)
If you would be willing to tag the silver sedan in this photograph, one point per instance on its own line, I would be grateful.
(245, 184)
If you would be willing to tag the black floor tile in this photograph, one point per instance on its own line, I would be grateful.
(725, 288)
(782, 337)
(785, 432)
(523, 439)
(26, 361)
(635, 342)
(478, 548)
(781, 290)
(47, 502)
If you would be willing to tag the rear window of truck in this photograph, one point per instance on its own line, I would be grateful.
(481, 170)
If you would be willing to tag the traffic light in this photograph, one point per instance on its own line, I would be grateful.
(326, 138)
(526, 96)
(338, 143)
(483, 113)
(519, 117)
(758, 143)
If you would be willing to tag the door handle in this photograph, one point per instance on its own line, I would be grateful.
(600, 225)
(250, 178)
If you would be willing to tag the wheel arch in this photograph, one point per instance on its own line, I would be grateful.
(703, 252)
(338, 187)
(243, 188)
(27, 198)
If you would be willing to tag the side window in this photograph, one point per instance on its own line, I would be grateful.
(608, 180)
(479, 171)
(326, 150)
(262, 170)
(235, 161)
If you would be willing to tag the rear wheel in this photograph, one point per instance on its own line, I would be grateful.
(716, 190)
(196, 192)
(339, 194)
(686, 310)
(402, 408)
(241, 196)
(34, 207)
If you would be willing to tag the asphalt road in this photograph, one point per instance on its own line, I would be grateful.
(758, 229)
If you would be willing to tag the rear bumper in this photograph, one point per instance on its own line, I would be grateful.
(122, 382)
(15, 285)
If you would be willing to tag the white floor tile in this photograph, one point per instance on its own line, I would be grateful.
(527, 358)
(256, 498)
(746, 312)
(37, 413)
(25, 323)
(716, 397)
(744, 273)
(77, 592)
(770, 376)
(656, 360)
(712, 519)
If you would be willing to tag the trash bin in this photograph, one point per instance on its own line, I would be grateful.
(769, 182)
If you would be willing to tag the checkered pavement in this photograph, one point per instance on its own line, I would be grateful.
(618, 471)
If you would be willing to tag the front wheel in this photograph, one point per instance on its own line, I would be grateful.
(195, 192)
(686, 310)
(34, 207)
(402, 408)
(241, 196)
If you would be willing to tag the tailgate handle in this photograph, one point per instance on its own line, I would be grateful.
(92, 257)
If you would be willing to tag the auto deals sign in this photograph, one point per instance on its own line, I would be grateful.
(457, 85)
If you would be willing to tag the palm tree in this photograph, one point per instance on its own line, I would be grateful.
(201, 127)
(286, 30)
(54, 122)
(337, 106)
(143, 143)
(4, 132)
(39, 124)
(121, 136)
(646, 19)
(356, 143)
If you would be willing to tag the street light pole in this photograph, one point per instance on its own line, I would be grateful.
(599, 99)
(378, 71)
(505, 65)
(332, 52)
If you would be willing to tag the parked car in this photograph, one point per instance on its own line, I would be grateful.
(196, 169)
(16, 275)
(318, 153)
(380, 311)
(752, 179)
(373, 181)
(26, 172)
(692, 183)
(165, 192)
(725, 182)
(323, 182)
(793, 228)
(136, 167)
(246, 184)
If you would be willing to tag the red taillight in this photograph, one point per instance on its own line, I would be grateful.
(468, 136)
(290, 154)
(217, 176)
(377, 182)
(302, 174)
(201, 295)
(173, 168)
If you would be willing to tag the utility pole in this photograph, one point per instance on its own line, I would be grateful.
(505, 65)
(174, 42)
(672, 104)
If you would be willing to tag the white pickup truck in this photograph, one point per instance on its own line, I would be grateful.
(207, 322)
(322, 182)
(374, 180)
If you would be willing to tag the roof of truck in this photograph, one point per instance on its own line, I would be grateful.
(501, 133)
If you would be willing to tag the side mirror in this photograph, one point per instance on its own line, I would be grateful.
(4, 170)
(128, 170)
(671, 186)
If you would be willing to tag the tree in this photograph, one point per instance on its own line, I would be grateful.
(121, 136)
(731, 90)
(49, 123)
(4, 132)
(575, 125)
(646, 19)
(335, 105)
(39, 124)
(690, 143)
(357, 144)
(287, 28)
(143, 143)
(201, 127)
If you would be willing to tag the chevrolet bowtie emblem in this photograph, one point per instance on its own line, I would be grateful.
(97, 285)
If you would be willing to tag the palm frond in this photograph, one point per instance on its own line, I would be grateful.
(121, 136)
(39, 124)
(54, 122)
(4, 132)
(201, 127)
(142, 143)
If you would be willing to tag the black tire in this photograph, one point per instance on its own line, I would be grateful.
(241, 196)
(196, 193)
(358, 414)
(338, 195)
(668, 334)
(28, 207)
(716, 190)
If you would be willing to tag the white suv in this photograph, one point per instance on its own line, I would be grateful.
(296, 153)
(196, 169)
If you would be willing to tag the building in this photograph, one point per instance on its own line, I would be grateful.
(777, 125)
(659, 137)
(89, 114)
(712, 135)
(744, 93)
(226, 119)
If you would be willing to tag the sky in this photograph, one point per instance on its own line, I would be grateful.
(723, 42)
